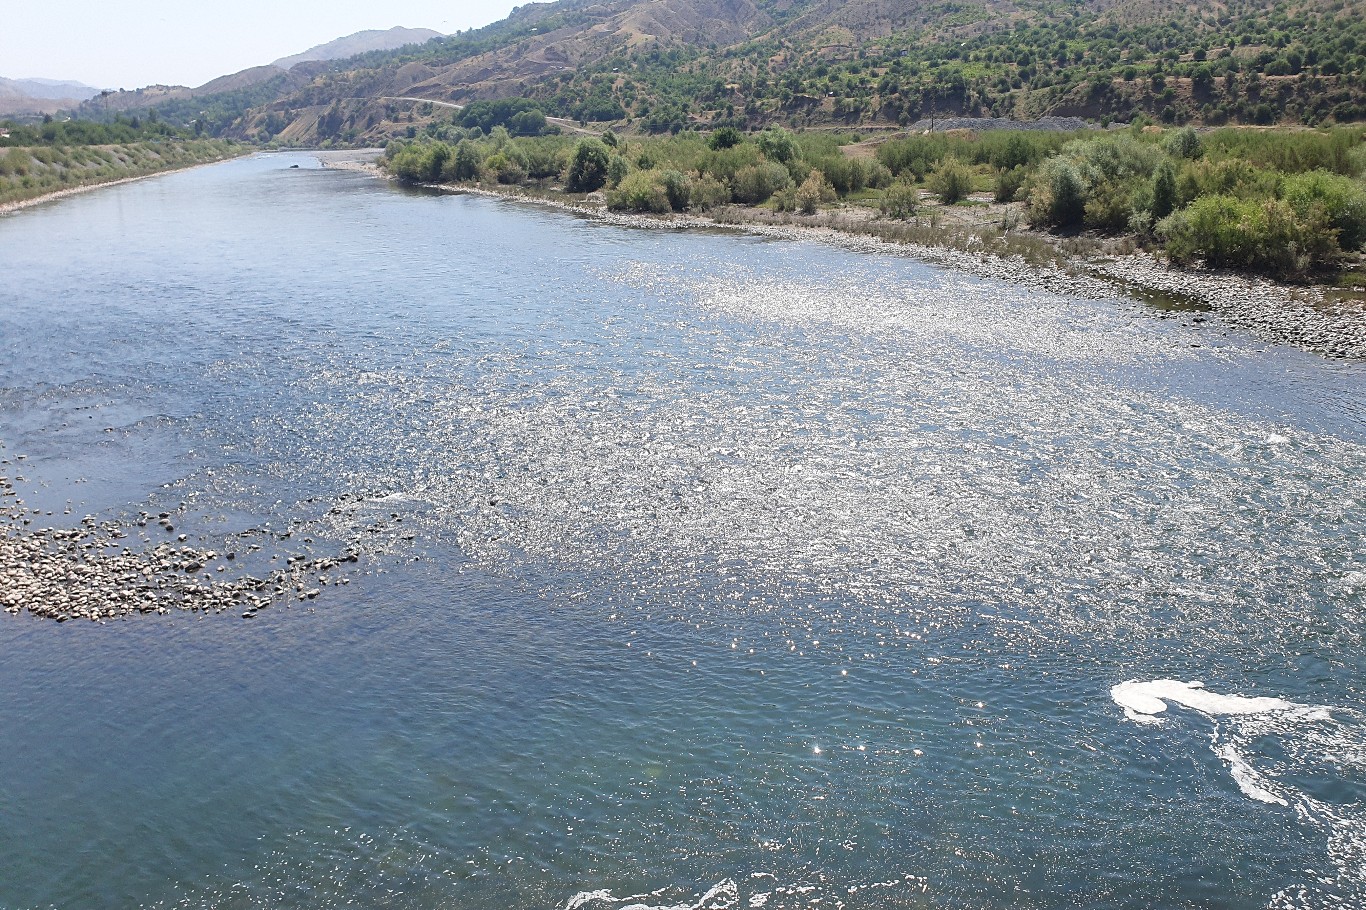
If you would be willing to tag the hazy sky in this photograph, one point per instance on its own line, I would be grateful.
(187, 42)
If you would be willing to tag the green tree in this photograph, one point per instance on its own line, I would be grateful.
(1058, 194)
(724, 138)
(465, 163)
(588, 167)
(617, 169)
(1164, 190)
(777, 144)
(813, 191)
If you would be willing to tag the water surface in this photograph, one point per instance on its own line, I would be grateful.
(697, 570)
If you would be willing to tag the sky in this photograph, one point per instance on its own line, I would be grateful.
(187, 42)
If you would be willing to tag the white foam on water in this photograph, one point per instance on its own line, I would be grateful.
(587, 897)
(1349, 583)
(1311, 738)
(1248, 780)
(1142, 701)
(760, 890)
(721, 896)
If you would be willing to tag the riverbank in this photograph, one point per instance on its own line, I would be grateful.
(991, 243)
(99, 158)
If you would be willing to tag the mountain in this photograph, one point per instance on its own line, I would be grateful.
(666, 65)
(660, 65)
(219, 103)
(55, 89)
(360, 43)
(41, 96)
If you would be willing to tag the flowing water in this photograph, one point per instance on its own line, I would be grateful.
(695, 570)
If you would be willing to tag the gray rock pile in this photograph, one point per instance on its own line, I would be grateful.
(89, 571)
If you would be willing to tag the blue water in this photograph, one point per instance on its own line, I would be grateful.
(696, 570)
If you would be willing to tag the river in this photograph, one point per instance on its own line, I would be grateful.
(694, 570)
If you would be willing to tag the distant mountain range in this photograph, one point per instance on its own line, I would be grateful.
(252, 85)
(41, 96)
(361, 43)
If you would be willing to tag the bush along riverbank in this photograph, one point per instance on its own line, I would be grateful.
(1289, 204)
(31, 173)
(982, 203)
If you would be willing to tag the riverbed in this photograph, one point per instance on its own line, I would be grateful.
(604, 567)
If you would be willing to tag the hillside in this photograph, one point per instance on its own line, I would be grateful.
(664, 65)
(217, 104)
(361, 43)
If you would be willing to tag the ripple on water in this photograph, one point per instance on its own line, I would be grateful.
(874, 539)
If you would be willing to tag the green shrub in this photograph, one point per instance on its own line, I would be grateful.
(846, 175)
(777, 145)
(1183, 143)
(723, 164)
(916, 155)
(1112, 158)
(1057, 196)
(1229, 177)
(900, 200)
(1287, 151)
(1109, 207)
(951, 181)
(876, 175)
(1256, 235)
(1343, 202)
(422, 163)
(495, 163)
(642, 191)
(677, 187)
(510, 169)
(1356, 161)
(1016, 148)
(755, 184)
(465, 163)
(617, 169)
(813, 191)
(1163, 193)
(1008, 183)
(543, 160)
(707, 193)
(724, 138)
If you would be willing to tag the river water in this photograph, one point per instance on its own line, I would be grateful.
(696, 570)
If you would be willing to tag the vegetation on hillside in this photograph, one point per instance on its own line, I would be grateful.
(804, 63)
(85, 132)
(1249, 62)
(1286, 203)
(41, 159)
